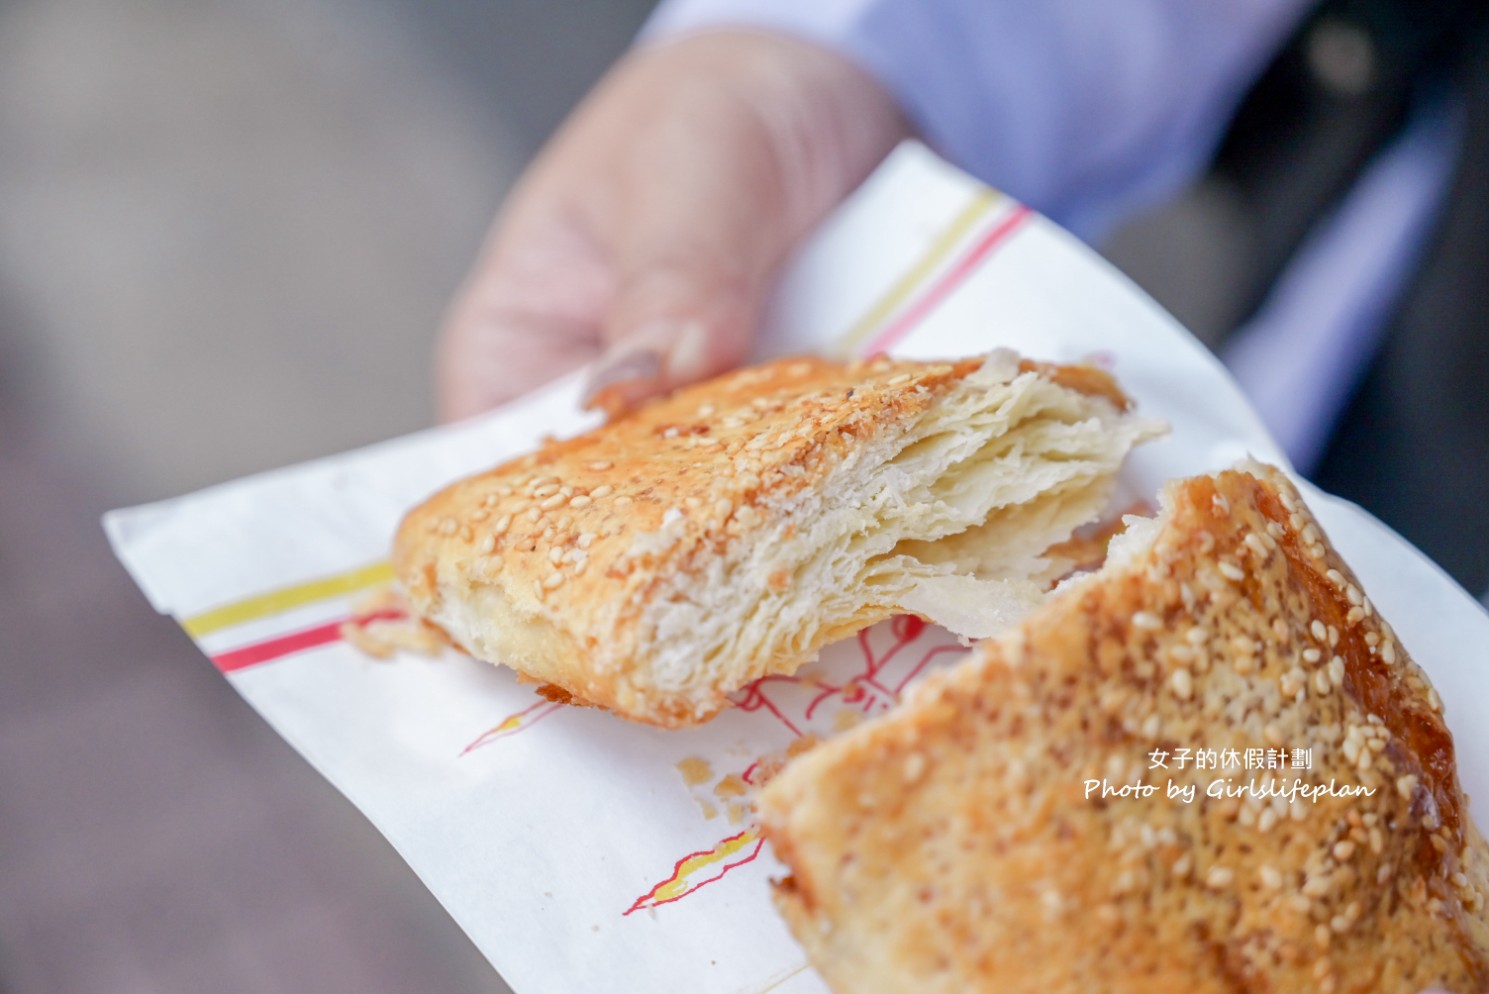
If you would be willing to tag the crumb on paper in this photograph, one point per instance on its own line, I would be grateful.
(695, 771)
(710, 811)
(558, 695)
(737, 813)
(382, 638)
(731, 786)
(845, 719)
(801, 745)
(381, 626)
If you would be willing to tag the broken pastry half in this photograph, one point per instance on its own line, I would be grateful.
(978, 838)
(732, 529)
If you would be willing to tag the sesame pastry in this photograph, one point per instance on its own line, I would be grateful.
(732, 529)
(1074, 807)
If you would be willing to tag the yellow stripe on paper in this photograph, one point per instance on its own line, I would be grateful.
(893, 298)
(287, 598)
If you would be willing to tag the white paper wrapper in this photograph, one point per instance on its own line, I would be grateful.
(569, 844)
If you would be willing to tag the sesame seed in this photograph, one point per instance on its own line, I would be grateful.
(1321, 681)
(1388, 654)
(601, 465)
(624, 500)
(722, 507)
(545, 490)
(897, 379)
(1335, 577)
(1219, 878)
(1406, 785)
(1231, 571)
(1147, 620)
(603, 490)
(914, 767)
(1312, 654)
(553, 581)
(1271, 879)
(671, 516)
(586, 539)
(555, 554)
(579, 500)
(1182, 684)
(533, 514)
(448, 526)
(1196, 636)
(502, 524)
(1343, 850)
(486, 544)
(1267, 820)
(1318, 630)
(1355, 616)
(551, 502)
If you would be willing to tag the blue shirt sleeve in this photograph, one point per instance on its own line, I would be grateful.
(1084, 109)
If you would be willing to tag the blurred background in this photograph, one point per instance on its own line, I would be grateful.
(227, 230)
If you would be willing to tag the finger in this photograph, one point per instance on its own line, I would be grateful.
(694, 257)
(530, 311)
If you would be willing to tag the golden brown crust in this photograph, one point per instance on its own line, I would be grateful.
(569, 543)
(952, 846)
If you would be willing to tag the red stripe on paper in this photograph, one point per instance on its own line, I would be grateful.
(284, 645)
(949, 281)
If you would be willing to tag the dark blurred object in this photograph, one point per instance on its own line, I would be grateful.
(1328, 103)
(1413, 445)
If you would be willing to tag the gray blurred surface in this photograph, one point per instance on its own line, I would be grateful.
(227, 229)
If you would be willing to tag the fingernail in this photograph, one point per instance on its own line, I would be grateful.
(616, 377)
(688, 358)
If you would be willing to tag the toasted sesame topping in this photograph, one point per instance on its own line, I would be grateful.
(1219, 877)
(1231, 571)
(552, 581)
(1147, 620)
(1182, 683)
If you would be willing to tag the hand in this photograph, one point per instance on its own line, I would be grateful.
(646, 235)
